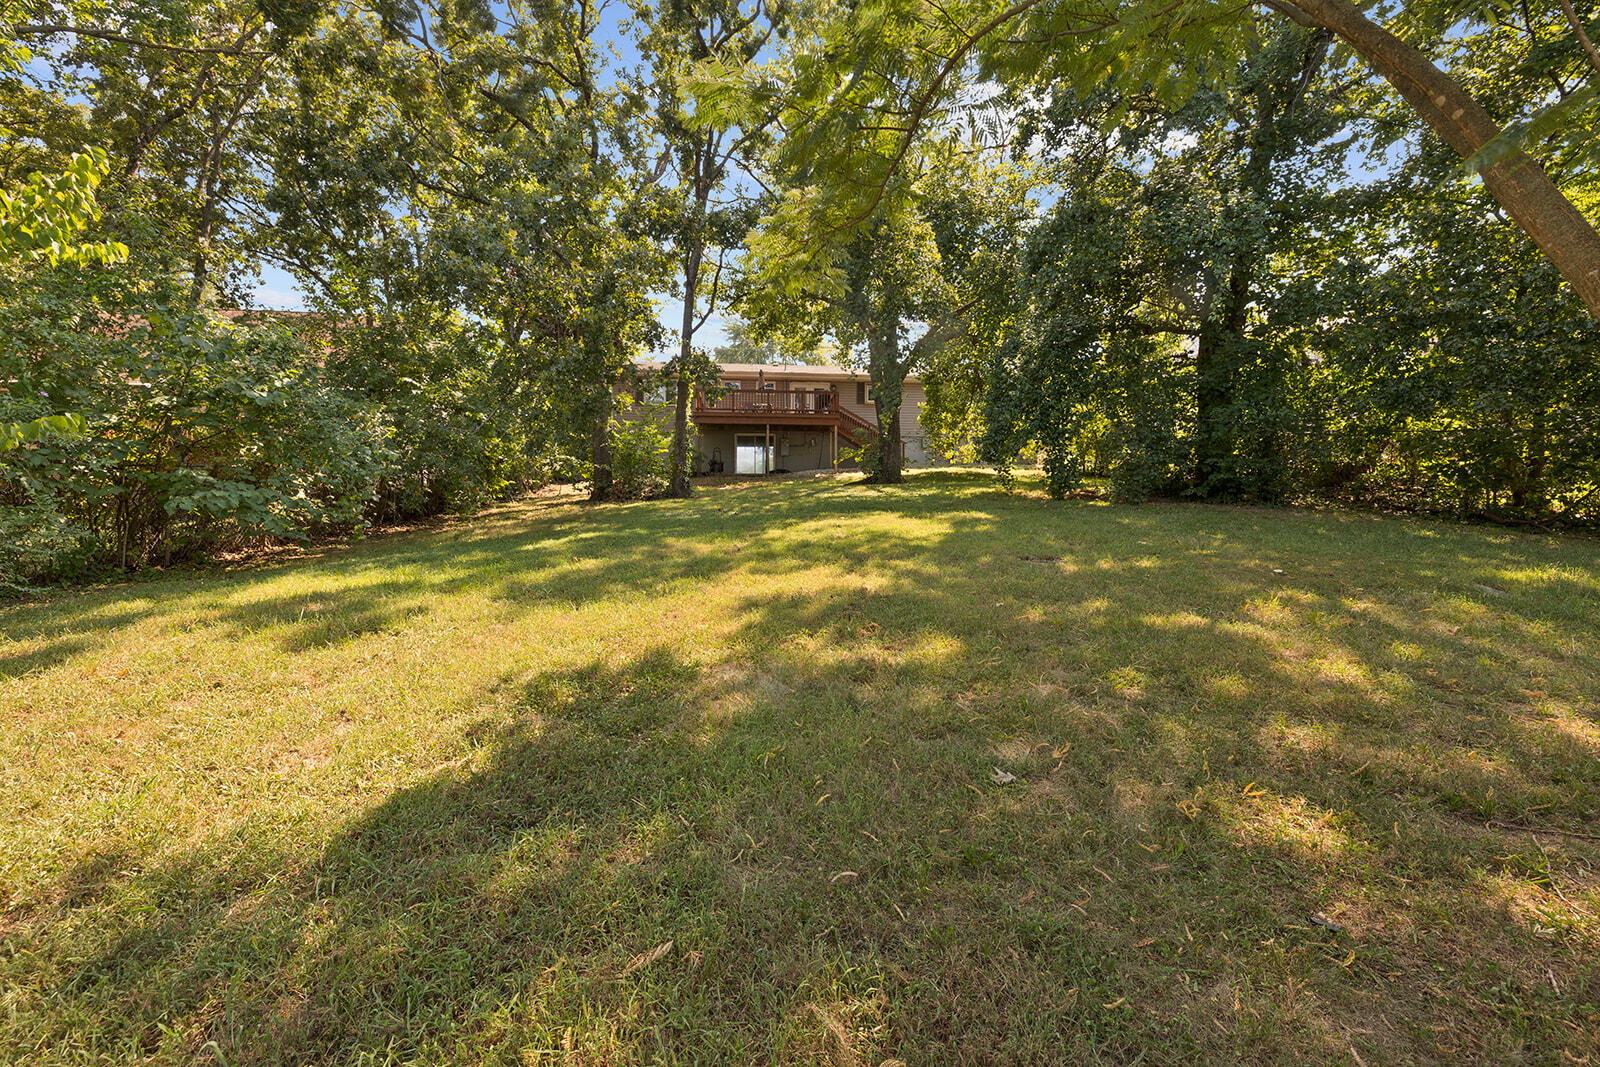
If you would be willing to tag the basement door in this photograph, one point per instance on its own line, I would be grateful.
(749, 454)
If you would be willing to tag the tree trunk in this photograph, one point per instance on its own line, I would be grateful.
(1213, 394)
(680, 486)
(888, 374)
(1519, 183)
(210, 175)
(680, 413)
(601, 483)
(201, 267)
(889, 457)
(1222, 336)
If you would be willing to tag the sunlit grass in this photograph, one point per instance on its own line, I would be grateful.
(931, 773)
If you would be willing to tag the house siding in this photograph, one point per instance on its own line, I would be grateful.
(710, 444)
(867, 412)
(919, 452)
(800, 448)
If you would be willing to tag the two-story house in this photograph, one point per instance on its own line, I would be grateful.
(776, 418)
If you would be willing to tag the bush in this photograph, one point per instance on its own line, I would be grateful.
(865, 455)
(641, 452)
(198, 433)
(203, 433)
(455, 443)
(37, 541)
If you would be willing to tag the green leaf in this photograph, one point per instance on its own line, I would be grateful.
(1550, 120)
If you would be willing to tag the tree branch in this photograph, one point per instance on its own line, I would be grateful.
(1583, 38)
(46, 29)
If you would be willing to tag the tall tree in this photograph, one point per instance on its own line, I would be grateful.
(1514, 177)
(175, 90)
(708, 160)
(743, 347)
(888, 72)
(523, 174)
(910, 283)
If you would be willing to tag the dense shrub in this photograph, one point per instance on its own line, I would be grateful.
(641, 456)
(204, 432)
(198, 434)
(1462, 376)
(1433, 360)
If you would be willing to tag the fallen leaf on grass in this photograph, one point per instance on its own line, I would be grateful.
(843, 874)
(645, 959)
(1003, 777)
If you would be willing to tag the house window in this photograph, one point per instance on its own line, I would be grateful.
(733, 385)
(864, 394)
(653, 390)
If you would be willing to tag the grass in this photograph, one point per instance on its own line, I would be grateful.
(928, 773)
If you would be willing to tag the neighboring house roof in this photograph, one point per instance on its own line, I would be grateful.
(780, 372)
(311, 326)
(281, 314)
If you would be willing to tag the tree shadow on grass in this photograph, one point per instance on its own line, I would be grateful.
(498, 903)
(837, 871)
(39, 645)
(815, 814)
(568, 563)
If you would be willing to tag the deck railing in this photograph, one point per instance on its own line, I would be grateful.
(768, 402)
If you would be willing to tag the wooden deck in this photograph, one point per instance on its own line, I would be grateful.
(772, 407)
(775, 409)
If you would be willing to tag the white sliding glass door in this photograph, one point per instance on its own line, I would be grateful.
(749, 454)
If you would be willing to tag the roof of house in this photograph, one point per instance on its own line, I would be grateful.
(285, 314)
(782, 371)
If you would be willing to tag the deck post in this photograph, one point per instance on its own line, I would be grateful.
(836, 448)
(766, 442)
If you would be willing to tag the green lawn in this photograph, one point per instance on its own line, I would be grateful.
(439, 796)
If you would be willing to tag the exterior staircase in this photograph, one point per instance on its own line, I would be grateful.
(853, 428)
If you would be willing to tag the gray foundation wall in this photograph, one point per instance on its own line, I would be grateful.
(793, 448)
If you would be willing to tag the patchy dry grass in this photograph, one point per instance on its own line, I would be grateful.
(1286, 786)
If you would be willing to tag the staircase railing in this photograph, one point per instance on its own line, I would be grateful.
(851, 423)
